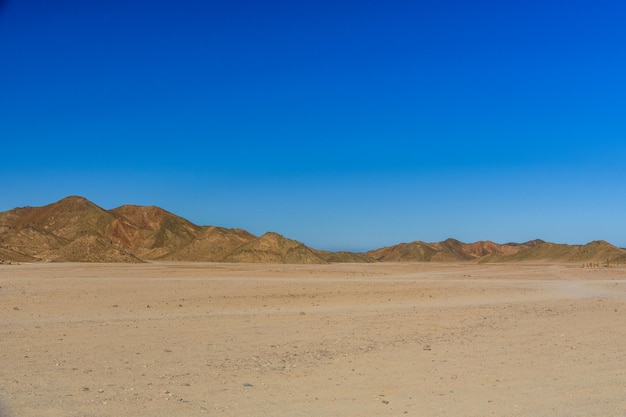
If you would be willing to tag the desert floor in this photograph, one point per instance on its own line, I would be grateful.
(183, 339)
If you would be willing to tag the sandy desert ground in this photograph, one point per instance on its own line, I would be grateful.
(189, 339)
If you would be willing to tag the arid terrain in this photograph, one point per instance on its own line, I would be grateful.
(76, 230)
(369, 339)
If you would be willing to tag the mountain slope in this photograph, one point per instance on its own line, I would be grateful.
(213, 244)
(596, 251)
(274, 248)
(72, 229)
(413, 252)
(76, 230)
(151, 232)
(450, 250)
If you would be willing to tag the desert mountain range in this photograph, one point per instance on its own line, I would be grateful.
(76, 230)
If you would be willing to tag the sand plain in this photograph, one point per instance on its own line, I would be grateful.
(420, 339)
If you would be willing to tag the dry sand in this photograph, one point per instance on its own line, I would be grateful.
(189, 339)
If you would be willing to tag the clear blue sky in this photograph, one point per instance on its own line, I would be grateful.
(342, 124)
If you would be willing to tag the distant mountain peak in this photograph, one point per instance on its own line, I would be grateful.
(74, 202)
(75, 229)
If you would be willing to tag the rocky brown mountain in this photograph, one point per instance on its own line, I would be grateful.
(73, 229)
(449, 250)
(597, 251)
(76, 230)
(274, 248)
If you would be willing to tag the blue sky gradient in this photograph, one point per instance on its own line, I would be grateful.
(345, 125)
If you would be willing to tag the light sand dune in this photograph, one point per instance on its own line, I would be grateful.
(190, 339)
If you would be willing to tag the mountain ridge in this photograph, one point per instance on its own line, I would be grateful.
(75, 229)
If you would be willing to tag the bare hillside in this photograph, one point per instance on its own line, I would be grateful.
(597, 251)
(274, 248)
(76, 230)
